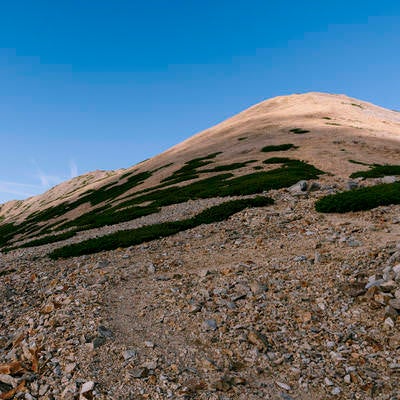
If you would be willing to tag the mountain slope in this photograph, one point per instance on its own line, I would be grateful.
(326, 131)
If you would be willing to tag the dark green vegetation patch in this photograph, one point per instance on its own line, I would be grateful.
(279, 147)
(377, 171)
(151, 232)
(359, 163)
(46, 240)
(189, 170)
(360, 199)
(299, 131)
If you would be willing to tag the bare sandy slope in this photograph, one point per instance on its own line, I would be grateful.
(341, 128)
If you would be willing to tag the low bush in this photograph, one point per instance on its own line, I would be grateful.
(377, 171)
(279, 147)
(48, 239)
(151, 232)
(360, 199)
(299, 131)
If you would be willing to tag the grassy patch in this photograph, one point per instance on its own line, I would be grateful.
(46, 240)
(279, 147)
(189, 170)
(242, 138)
(377, 171)
(228, 167)
(360, 199)
(147, 233)
(359, 163)
(299, 131)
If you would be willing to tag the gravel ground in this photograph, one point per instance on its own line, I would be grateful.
(275, 303)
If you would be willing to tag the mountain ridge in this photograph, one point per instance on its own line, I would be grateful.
(277, 114)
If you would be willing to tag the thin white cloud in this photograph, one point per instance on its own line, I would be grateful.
(19, 189)
(73, 168)
(45, 181)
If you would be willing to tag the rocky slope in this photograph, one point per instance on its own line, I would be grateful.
(277, 302)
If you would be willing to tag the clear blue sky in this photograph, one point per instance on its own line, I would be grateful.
(95, 84)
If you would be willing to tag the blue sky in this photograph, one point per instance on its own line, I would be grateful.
(88, 85)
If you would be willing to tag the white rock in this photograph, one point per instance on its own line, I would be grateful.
(87, 387)
(283, 386)
(328, 382)
(388, 323)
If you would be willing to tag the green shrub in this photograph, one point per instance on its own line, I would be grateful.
(151, 232)
(359, 163)
(377, 171)
(279, 147)
(298, 131)
(48, 239)
(360, 199)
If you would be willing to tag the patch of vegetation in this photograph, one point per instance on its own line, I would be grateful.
(7, 231)
(46, 240)
(360, 199)
(7, 272)
(357, 105)
(333, 123)
(242, 138)
(326, 118)
(279, 147)
(299, 131)
(258, 167)
(189, 170)
(151, 232)
(377, 171)
(228, 167)
(278, 160)
(359, 163)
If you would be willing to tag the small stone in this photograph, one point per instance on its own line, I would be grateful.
(204, 272)
(149, 344)
(87, 387)
(396, 269)
(351, 185)
(104, 332)
(98, 342)
(388, 324)
(129, 354)
(283, 386)
(43, 389)
(210, 324)
(257, 288)
(328, 382)
(335, 391)
(151, 269)
(389, 179)
(347, 378)
(391, 312)
(395, 303)
(195, 308)
(139, 373)
(150, 365)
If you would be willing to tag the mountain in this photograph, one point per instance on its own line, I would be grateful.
(256, 259)
(339, 129)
